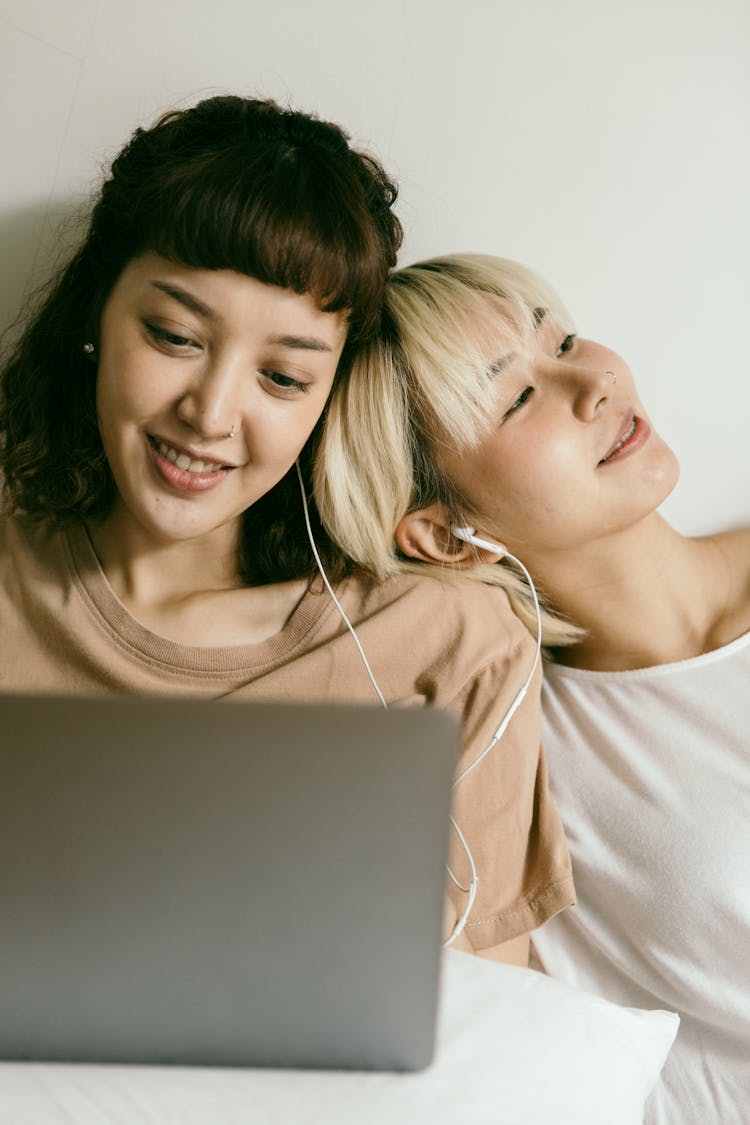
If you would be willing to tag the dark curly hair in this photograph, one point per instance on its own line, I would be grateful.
(232, 183)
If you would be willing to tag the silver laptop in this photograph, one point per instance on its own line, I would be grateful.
(221, 883)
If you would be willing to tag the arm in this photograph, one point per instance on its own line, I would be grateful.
(513, 952)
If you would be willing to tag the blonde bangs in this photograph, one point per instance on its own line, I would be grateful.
(453, 317)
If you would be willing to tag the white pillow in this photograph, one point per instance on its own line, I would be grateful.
(514, 1048)
(562, 1056)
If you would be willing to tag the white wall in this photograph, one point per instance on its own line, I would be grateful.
(604, 142)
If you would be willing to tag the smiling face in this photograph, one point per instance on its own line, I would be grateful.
(570, 455)
(209, 384)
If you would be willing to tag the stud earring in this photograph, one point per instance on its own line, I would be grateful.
(89, 348)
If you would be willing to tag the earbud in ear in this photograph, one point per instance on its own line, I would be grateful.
(468, 536)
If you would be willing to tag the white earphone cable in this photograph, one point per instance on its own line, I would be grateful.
(518, 700)
(471, 890)
(467, 534)
(330, 590)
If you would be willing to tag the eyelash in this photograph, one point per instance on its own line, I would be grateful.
(524, 396)
(288, 385)
(171, 339)
(566, 345)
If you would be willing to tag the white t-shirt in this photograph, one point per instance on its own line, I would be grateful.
(651, 772)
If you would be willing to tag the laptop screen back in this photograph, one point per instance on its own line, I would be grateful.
(221, 883)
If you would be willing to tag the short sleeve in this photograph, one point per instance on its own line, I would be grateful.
(505, 810)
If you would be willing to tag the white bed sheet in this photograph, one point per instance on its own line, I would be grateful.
(514, 1048)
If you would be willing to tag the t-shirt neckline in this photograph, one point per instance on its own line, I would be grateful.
(652, 671)
(113, 616)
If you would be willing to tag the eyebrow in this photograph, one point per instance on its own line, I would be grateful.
(186, 299)
(297, 343)
(305, 343)
(500, 364)
(504, 361)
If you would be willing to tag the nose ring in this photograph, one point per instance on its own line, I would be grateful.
(231, 432)
(614, 377)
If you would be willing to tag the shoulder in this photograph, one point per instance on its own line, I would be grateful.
(736, 544)
(15, 533)
(458, 599)
(457, 620)
(449, 644)
(34, 557)
(22, 537)
(734, 551)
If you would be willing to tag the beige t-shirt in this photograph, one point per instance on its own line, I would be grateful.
(457, 646)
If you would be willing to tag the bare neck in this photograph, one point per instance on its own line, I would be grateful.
(144, 571)
(190, 590)
(645, 596)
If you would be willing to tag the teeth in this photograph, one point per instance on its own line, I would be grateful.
(182, 461)
(621, 442)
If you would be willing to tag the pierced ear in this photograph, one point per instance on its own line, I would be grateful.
(426, 535)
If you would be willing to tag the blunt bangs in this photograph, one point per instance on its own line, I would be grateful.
(284, 218)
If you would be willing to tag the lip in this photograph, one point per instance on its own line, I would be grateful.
(182, 480)
(638, 438)
(190, 451)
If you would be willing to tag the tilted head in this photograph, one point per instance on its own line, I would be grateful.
(491, 413)
(425, 390)
(232, 183)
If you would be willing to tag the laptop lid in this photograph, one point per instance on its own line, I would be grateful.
(221, 883)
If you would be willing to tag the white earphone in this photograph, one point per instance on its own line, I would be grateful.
(467, 534)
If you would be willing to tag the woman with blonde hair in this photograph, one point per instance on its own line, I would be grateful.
(499, 430)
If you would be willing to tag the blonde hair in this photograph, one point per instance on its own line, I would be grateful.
(422, 384)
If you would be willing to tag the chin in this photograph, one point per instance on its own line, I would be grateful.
(668, 476)
(662, 469)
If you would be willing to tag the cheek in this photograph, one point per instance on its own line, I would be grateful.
(122, 378)
(551, 466)
(533, 467)
(526, 485)
(117, 400)
(312, 409)
(279, 433)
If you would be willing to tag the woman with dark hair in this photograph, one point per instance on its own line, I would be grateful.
(159, 419)
(236, 185)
